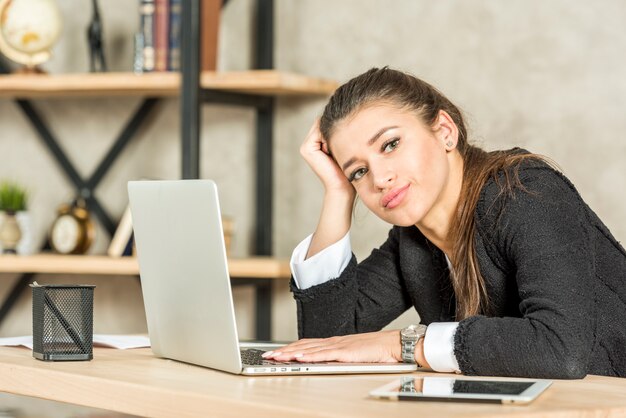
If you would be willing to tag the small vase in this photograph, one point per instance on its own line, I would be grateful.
(27, 244)
(10, 233)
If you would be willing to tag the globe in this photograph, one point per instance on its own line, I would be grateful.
(28, 30)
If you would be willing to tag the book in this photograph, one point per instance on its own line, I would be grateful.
(161, 34)
(121, 243)
(174, 35)
(209, 30)
(146, 27)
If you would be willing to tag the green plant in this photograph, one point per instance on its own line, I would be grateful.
(13, 198)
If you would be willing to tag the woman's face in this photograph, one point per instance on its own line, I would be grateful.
(398, 165)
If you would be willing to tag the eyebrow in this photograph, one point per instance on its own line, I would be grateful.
(371, 141)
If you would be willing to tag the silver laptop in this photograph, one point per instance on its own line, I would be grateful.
(186, 286)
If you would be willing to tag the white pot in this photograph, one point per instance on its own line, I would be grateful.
(26, 246)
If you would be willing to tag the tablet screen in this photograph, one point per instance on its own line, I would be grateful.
(448, 388)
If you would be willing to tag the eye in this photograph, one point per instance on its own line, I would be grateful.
(390, 145)
(357, 174)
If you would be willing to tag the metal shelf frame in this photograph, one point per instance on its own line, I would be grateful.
(192, 97)
(84, 187)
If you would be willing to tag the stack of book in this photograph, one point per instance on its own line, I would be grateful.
(158, 42)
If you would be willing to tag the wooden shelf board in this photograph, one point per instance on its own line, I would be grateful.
(267, 82)
(260, 82)
(255, 267)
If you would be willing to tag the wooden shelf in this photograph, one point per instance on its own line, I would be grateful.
(255, 267)
(260, 82)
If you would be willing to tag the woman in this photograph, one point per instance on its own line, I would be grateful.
(513, 274)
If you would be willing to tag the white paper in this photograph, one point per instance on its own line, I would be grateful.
(26, 341)
(121, 342)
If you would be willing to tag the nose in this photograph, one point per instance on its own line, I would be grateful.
(383, 177)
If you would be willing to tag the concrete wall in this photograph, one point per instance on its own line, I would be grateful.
(544, 75)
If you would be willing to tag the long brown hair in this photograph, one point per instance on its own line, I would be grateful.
(409, 92)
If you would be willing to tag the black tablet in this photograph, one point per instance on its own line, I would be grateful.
(462, 389)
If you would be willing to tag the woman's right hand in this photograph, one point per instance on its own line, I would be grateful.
(339, 194)
(315, 152)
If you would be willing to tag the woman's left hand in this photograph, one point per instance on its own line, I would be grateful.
(372, 347)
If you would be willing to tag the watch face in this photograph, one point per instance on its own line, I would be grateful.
(65, 234)
(409, 332)
(413, 331)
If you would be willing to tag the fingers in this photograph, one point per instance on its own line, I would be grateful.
(318, 139)
(296, 347)
(373, 347)
(307, 350)
(325, 149)
(313, 141)
(326, 354)
(309, 355)
(314, 133)
(316, 152)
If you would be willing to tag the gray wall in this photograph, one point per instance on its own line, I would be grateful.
(544, 75)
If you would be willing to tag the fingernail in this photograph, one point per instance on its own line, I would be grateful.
(298, 355)
(267, 354)
(276, 353)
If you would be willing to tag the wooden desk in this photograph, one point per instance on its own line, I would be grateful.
(135, 382)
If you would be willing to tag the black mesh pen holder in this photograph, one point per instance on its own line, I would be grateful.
(62, 322)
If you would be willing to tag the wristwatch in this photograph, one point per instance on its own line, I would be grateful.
(409, 337)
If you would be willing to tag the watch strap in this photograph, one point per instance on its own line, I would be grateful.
(408, 343)
(408, 351)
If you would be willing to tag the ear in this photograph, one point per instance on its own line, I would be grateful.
(446, 130)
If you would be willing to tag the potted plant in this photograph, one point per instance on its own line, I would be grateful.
(13, 199)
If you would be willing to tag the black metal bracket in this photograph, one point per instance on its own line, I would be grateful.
(192, 95)
(263, 305)
(85, 188)
(264, 47)
(236, 99)
(18, 287)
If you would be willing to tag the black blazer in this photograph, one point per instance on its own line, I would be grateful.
(555, 276)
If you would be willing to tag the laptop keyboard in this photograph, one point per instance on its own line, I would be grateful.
(252, 357)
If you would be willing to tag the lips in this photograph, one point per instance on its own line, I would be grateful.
(394, 197)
